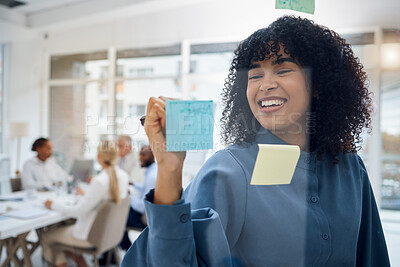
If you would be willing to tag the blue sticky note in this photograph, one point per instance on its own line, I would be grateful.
(189, 125)
(305, 6)
(2, 217)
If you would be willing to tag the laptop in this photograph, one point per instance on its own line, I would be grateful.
(81, 168)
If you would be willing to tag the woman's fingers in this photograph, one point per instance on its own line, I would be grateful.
(155, 118)
(48, 204)
(79, 191)
(160, 110)
(169, 177)
(158, 104)
(153, 100)
(164, 98)
(155, 125)
(155, 103)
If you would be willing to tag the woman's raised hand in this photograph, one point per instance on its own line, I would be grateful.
(169, 178)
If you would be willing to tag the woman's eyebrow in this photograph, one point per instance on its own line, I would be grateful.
(254, 66)
(284, 59)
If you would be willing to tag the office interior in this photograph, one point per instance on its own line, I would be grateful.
(78, 71)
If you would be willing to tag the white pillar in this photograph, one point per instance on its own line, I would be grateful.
(111, 122)
(375, 140)
(185, 69)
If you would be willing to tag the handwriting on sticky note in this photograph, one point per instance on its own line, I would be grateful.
(275, 164)
(189, 125)
(305, 6)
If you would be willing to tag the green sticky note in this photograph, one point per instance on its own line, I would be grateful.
(189, 125)
(305, 6)
(275, 164)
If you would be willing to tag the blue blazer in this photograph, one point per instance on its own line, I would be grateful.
(327, 216)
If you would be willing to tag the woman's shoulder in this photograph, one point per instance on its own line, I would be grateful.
(221, 184)
(240, 150)
(31, 161)
(352, 159)
(103, 175)
(226, 166)
(100, 177)
(358, 163)
(231, 156)
(350, 164)
(121, 173)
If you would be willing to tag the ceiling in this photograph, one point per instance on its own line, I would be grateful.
(44, 14)
(48, 15)
(32, 6)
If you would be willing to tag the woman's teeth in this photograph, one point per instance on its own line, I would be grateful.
(271, 103)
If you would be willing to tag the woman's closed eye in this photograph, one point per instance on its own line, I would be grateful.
(255, 76)
(280, 72)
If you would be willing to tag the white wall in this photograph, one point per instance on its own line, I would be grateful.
(215, 19)
(23, 86)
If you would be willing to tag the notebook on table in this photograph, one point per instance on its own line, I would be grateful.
(26, 213)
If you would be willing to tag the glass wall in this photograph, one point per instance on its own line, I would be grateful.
(390, 119)
(89, 102)
(382, 63)
(101, 95)
(390, 128)
(79, 105)
(208, 67)
(141, 74)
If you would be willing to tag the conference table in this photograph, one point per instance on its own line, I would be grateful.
(21, 213)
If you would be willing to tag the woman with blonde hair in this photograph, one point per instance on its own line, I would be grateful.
(111, 183)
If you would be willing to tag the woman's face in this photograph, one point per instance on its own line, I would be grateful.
(45, 151)
(278, 96)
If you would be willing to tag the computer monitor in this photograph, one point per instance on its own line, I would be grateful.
(81, 168)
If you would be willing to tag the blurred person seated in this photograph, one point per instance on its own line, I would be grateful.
(138, 195)
(110, 184)
(128, 160)
(42, 172)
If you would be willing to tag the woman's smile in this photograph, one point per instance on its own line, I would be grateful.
(271, 104)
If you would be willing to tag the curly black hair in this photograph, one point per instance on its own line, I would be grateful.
(341, 103)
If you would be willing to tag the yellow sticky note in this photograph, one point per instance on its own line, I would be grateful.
(275, 164)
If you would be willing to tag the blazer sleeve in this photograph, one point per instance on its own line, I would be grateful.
(371, 246)
(195, 231)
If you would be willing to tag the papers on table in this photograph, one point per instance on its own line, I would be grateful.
(29, 213)
(275, 164)
(189, 125)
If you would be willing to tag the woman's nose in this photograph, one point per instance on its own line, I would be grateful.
(268, 83)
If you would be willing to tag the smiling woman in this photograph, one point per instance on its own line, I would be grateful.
(280, 77)
(278, 97)
(340, 102)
